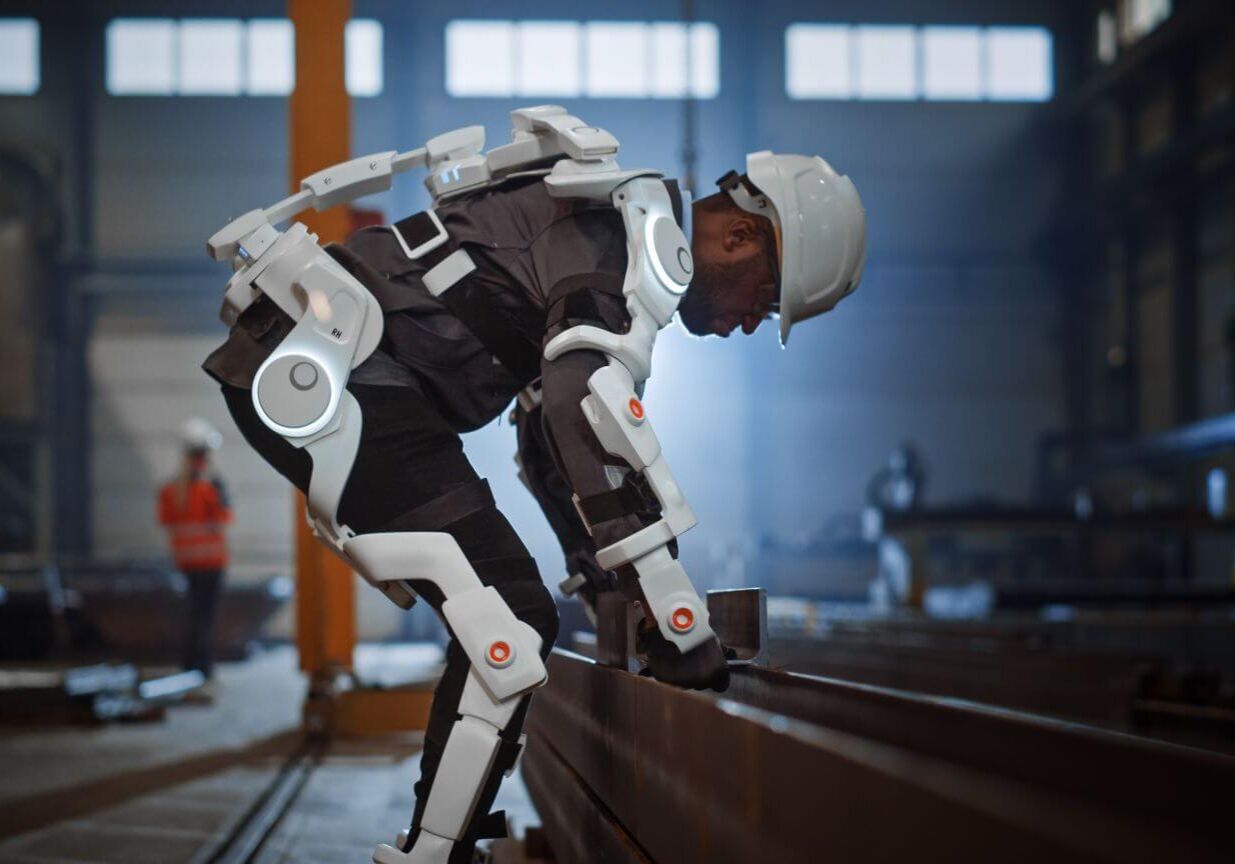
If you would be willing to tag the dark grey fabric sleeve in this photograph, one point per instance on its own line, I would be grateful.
(590, 298)
(553, 493)
(579, 455)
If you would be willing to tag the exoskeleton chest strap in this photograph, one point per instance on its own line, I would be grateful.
(452, 278)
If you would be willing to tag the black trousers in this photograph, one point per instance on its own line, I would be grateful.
(410, 457)
(205, 591)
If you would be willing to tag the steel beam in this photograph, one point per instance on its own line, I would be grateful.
(790, 768)
(582, 828)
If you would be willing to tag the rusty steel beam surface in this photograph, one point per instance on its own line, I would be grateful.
(794, 768)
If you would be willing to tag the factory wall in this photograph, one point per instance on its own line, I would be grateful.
(951, 343)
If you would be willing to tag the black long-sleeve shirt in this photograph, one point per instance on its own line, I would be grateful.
(545, 264)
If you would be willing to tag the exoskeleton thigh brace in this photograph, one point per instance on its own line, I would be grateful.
(504, 654)
(503, 651)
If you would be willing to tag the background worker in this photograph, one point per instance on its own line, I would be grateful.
(194, 508)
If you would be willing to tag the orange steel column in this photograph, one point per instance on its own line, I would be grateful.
(320, 124)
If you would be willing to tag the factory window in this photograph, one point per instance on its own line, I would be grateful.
(837, 61)
(225, 57)
(19, 56)
(210, 57)
(494, 42)
(617, 60)
(270, 67)
(363, 52)
(887, 63)
(1018, 64)
(671, 45)
(817, 62)
(599, 59)
(952, 63)
(141, 57)
(548, 62)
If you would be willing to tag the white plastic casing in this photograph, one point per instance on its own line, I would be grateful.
(482, 618)
(620, 423)
(658, 268)
(667, 590)
(350, 180)
(477, 614)
(469, 754)
(331, 336)
(624, 431)
(479, 618)
(822, 226)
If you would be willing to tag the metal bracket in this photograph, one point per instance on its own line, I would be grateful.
(739, 617)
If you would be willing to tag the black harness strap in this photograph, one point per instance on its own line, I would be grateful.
(628, 499)
(492, 826)
(468, 300)
(573, 301)
(507, 570)
(606, 283)
(449, 507)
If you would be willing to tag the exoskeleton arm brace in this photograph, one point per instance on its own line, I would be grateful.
(544, 479)
(659, 267)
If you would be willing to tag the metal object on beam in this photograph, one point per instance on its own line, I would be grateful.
(613, 643)
(739, 617)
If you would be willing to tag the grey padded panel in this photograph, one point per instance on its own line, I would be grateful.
(294, 391)
(673, 250)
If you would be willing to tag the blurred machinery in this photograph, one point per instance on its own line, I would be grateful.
(128, 610)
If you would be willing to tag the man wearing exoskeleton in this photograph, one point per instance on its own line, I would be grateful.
(541, 274)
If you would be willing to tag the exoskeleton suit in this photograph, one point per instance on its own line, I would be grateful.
(541, 274)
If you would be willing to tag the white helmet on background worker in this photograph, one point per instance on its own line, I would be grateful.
(198, 435)
(820, 229)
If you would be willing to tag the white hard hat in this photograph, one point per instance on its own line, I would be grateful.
(820, 225)
(198, 434)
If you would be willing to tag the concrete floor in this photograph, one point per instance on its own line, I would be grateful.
(169, 792)
(256, 701)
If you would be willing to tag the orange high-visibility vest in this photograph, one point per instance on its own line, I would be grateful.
(196, 524)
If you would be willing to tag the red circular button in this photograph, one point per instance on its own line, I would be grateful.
(682, 619)
(499, 653)
(636, 408)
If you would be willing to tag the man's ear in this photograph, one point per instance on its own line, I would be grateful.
(741, 231)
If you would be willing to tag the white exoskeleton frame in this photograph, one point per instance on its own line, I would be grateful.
(300, 393)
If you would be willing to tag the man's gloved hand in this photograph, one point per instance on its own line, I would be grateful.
(701, 668)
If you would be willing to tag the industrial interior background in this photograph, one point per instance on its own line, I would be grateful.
(1000, 471)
